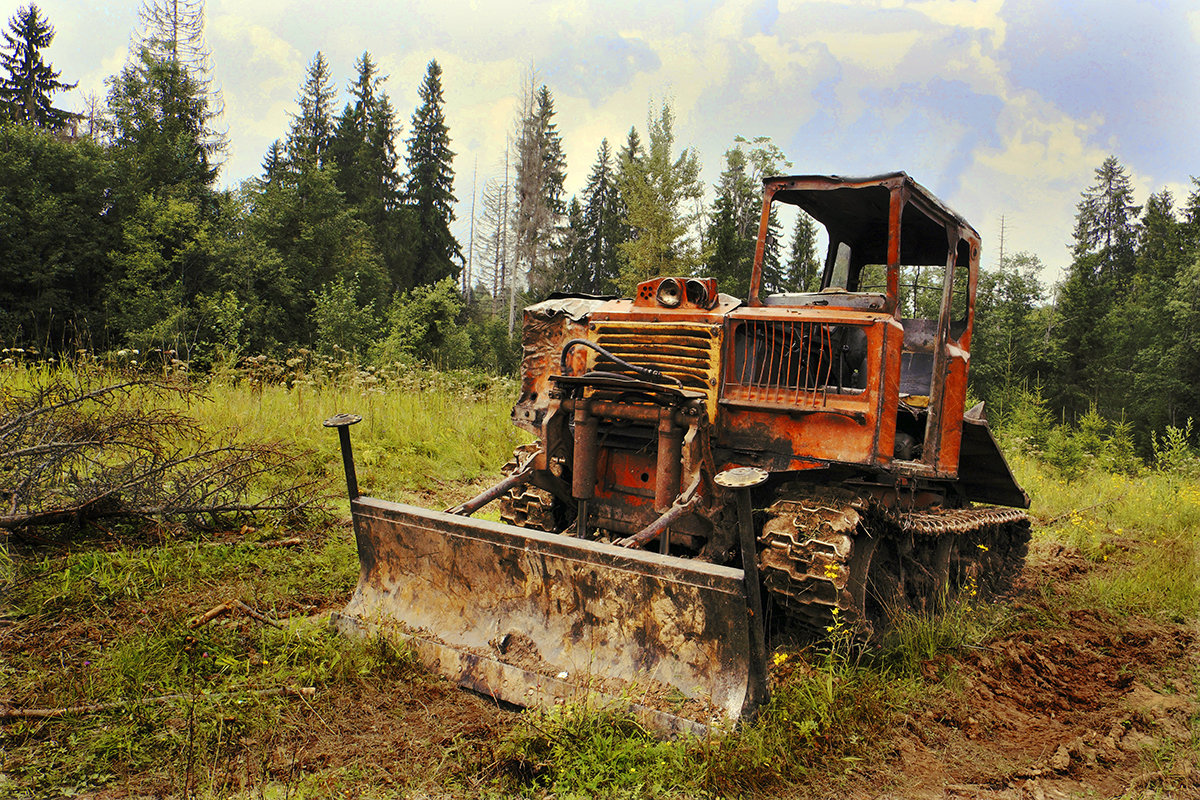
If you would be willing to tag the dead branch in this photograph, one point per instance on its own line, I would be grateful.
(258, 615)
(10, 713)
(224, 608)
(210, 615)
(291, 541)
(72, 452)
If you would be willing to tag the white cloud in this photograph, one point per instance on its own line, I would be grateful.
(1034, 179)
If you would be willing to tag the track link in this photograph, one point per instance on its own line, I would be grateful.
(527, 506)
(829, 554)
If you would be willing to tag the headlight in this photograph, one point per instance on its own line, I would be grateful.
(670, 294)
(697, 293)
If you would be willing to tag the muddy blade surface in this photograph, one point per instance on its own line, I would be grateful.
(507, 611)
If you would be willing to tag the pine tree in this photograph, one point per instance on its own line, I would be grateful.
(570, 269)
(311, 132)
(274, 164)
(632, 151)
(803, 268)
(1142, 378)
(733, 229)
(491, 240)
(1103, 268)
(430, 192)
(773, 277)
(657, 191)
(26, 91)
(364, 142)
(159, 124)
(1191, 221)
(173, 30)
(364, 150)
(601, 227)
(1106, 222)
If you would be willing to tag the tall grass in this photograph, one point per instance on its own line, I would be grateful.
(1141, 533)
(417, 439)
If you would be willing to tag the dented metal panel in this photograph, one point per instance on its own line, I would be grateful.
(532, 617)
(548, 326)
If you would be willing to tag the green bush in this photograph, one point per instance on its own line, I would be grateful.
(343, 320)
(1173, 452)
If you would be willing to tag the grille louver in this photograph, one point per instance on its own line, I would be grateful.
(690, 353)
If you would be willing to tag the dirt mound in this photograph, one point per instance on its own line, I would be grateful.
(1081, 703)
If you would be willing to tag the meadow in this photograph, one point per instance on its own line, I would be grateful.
(115, 681)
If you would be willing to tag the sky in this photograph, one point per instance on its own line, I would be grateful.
(1003, 108)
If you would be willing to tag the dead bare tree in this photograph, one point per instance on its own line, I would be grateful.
(78, 447)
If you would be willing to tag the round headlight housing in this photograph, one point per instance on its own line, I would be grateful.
(697, 293)
(670, 293)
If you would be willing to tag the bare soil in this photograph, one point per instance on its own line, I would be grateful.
(1075, 704)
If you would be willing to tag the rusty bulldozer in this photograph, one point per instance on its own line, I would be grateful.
(700, 458)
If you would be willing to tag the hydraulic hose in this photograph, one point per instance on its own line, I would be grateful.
(651, 374)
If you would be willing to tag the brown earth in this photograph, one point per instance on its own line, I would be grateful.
(1075, 704)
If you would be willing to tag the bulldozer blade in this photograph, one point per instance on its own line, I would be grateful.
(534, 618)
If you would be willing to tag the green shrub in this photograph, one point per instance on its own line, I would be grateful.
(1173, 453)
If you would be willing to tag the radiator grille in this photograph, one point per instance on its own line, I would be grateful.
(687, 352)
(795, 362)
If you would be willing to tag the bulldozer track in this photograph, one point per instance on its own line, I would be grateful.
(526, 506)
(830, 556)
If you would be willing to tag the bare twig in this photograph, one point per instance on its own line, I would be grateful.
(1092, 507)
(258, 615)
(210, 615)
(291, 541)
(9, 713)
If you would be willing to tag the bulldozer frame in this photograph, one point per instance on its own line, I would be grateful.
(820, 437)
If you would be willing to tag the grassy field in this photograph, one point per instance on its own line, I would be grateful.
(264, 700)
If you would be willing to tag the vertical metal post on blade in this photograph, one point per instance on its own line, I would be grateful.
(742, 480)
(343, 422)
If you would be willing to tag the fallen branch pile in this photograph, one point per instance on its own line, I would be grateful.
(77, 447)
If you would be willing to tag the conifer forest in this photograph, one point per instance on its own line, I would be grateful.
(116, 235)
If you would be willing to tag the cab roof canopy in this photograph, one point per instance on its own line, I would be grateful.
(854, 211)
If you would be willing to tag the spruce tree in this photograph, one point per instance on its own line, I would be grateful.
(1102, 269)
(733, 229)
(491, 241)
(803, 268)
(364, 142)
(274, 164)
(602, 229)
(773, 277)
(1142, 379)
(1191, 221)
(173, 30)
(364, 150)
(1106, 224)
(311, 132)
(541, 174)
(159, 124)
(27, 88)
(660, 191)
(430, 192)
